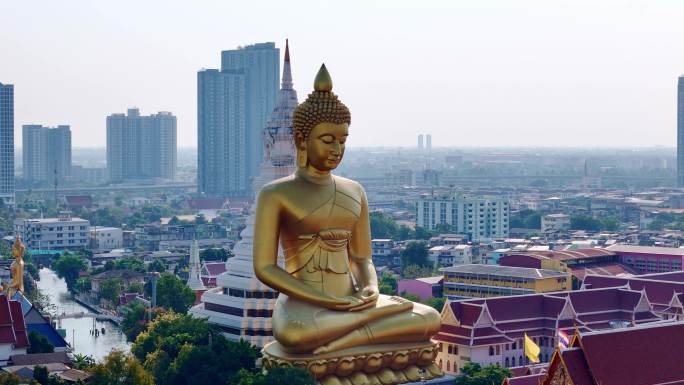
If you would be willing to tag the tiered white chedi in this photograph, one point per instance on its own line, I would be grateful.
(240, 304)
(194, 280)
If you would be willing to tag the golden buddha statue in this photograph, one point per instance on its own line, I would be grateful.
(329, 309)
(17, 268)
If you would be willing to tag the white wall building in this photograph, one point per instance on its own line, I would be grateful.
(62, 233)
(555, 222)
(479, 217)
(451, 255)
(105, 238)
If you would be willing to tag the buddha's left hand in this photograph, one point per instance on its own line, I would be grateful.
(369, 295)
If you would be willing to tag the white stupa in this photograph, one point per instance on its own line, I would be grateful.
(240, 304)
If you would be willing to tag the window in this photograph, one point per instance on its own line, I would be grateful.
(513, 361)
(450, 349)
(507, 362)
(491, 350)
(513, 346)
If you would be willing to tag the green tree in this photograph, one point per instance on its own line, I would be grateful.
(68, 267)
(83, 285)
(610, 224)
(436, 302)
(383, 226)
(405, 233)
(414, 253)
(583, 222)
(135, 287)
(387, 283)
(215, 254)
(288, 376)
(135, 319)
(9, 379)
(180, 349)
(157, 265)
(42, 376)
(110, 289)
(82, 361)
(173, 294)
(475, 374)
(119, 368)
(415, 271)
(130, 263)
(409, 296)
(443, 228)
(38, 343)
(422, 233)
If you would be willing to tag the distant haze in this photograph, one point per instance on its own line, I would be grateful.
(471, 73)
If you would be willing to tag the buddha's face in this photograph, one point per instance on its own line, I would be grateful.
(325, 145)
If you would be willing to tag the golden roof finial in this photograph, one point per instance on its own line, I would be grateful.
(323, 80)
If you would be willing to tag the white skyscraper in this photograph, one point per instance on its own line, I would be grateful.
(141, 147)
(233, 105)
(241, 305)
(46, 153)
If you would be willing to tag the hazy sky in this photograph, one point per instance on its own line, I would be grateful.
(471, 73)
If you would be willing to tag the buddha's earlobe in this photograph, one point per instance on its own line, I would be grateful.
(301, 158)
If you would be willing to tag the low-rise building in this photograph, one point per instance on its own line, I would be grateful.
(579, 262)
(424, 288)
(649, 259)
(105, 238)
(384, 252)
(555, 222)
(125, 277)
(62, 233)
(477, 281)
(450, 255)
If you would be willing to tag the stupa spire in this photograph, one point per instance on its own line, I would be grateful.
(195, 280)
(287, 72)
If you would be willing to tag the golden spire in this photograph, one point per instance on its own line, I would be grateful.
(323, 81)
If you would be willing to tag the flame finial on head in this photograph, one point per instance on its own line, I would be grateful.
(323, 81)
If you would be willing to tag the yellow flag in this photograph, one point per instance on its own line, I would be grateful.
(531, 349)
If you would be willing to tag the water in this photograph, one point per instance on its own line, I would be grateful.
(78, 329)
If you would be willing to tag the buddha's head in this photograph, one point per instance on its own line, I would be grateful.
(321, 126)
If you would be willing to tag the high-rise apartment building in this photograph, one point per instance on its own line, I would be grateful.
(241, 306)
(428, 143)
(46, 153)
(7, 144)
(420, 143)
(141, 147)
(680, 132)
(478, 217)
(233, 105)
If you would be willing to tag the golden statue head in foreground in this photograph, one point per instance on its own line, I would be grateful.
(329, 307)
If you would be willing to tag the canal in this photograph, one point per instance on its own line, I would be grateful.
(78, 329)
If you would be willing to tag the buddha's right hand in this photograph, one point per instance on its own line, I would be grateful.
(343, 303)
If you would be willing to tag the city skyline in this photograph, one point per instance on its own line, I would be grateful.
(598, 71)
